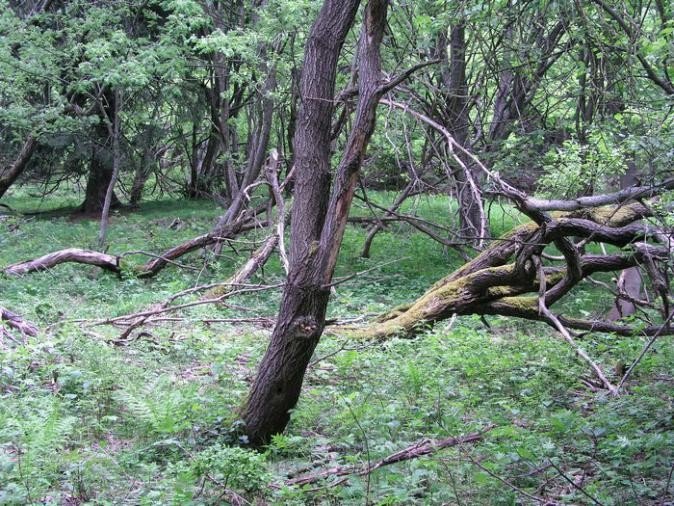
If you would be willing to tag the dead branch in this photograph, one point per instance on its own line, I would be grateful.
(645, 349)
(76, 255)
(418, 449)
(543, 309)
(15, 321)
(113, 263)
(271, 174)
(256, 261)
(451, 144)
(498, 279)
(131, 319)
(228, 231)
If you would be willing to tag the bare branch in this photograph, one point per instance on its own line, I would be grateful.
(418, 449)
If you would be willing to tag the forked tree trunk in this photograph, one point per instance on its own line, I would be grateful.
(317, 225)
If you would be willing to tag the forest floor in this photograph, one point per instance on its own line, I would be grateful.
(84, 420)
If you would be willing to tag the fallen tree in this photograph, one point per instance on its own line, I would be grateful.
(244, 221)
(504, 280)
(509, 278)
(113, 263)
(420, 448)
(16, 322)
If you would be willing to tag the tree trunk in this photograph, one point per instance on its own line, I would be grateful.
(101, 168)
(11, 174)
(100, 176)
(142, 174)
(316, 233)
(629, 282)
(115, 133)
(472, 220)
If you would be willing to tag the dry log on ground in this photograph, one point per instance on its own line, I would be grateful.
(16, 322)
(76, 255)
(113, 263)
(418, 449)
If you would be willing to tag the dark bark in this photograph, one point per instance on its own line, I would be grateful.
(11, 174)
(101, 167)
(100, 176)
(302, 314)
(472, 220)
(152, 157)
(152, 267)
(258, 144)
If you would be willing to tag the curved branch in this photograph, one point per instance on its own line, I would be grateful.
(15, 321)
(76, 255)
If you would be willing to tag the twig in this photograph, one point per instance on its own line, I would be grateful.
(650, 343)
(543, 309)
(573, 484)
(507, 483)
(187, 304)
(451, 144)
(339, 281)
(159, 257)
(418, 449)
(272, 177)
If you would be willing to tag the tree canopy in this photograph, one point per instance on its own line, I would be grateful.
(281, 114)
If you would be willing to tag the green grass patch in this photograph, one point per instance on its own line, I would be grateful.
(153, 422)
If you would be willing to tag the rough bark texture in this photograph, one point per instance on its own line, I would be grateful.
(76, 255)
(100, 176)
(101, 166)
(11, 174)
(503, 280)
(473, 221)
(314, 240)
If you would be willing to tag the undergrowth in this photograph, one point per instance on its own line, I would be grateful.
(83, 421)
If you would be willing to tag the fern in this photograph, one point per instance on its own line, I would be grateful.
(159, 405)
(32, 438)
(137, 406)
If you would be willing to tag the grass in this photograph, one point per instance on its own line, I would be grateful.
(86, 422)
